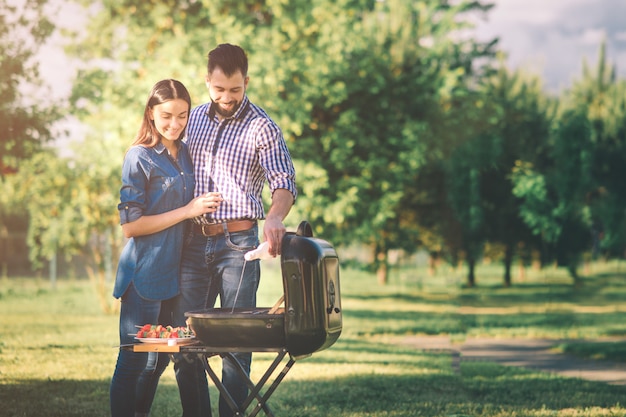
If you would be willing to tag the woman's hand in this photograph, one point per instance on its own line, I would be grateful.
(207, 203)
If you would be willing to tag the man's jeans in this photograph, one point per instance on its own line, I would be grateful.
(212, 266)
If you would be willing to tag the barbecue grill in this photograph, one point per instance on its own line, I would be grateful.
(310, 321)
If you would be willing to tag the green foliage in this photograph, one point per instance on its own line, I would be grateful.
(536, 209)
(26, 117)
(354, 85)
(554, 200)
(26, 121)
(404, 132)
(359, 88)
(78, 202)
(571, 193)
(601, 98)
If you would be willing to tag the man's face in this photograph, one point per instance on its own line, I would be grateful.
(226, 92)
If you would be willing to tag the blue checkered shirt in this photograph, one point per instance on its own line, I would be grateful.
(235, 157)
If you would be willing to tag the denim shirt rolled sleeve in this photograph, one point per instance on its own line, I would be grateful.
(129, 213)
(153, 183)
(137, 170)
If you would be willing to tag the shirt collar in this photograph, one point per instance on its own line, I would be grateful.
(160, 148)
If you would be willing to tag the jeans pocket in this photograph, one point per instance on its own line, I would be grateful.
(243, 241)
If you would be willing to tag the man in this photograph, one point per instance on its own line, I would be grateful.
(235, 148)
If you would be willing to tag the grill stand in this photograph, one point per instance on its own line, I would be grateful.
(206, 352)
(255, 389)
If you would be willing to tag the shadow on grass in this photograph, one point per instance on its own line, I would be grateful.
(513, 388)
(405, 322)
(605, 350)
(412, 322)
(600, 289)
(548, 321)
(481, 389)
(378, 355)
(425, 298)
(48, 398)
(72, 398)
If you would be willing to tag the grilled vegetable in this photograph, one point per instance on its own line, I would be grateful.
(157, 331)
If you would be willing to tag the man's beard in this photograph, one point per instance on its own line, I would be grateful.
(225, 113)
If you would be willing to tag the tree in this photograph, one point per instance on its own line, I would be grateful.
(71, 209)
(602, 98)
(574, 193)
(352, 84)
(26, 124)
(469, 149)
(70, 202)
(554, 195)
(524, 116)
(360, 85)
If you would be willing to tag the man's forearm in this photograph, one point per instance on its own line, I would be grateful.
(282, 201)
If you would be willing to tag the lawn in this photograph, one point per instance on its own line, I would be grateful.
(58, 351)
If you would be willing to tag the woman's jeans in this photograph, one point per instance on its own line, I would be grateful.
(131, 387)
(212, 266)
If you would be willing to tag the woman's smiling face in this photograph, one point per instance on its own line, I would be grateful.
(170, 118)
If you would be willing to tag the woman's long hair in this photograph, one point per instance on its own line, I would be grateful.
(164, 90)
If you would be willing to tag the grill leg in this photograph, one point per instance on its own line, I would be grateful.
(254, 389)
(272, 388)
(218, 383)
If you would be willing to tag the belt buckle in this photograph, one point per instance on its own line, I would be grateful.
(203, 231)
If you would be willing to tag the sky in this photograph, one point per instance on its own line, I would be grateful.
(549, 38)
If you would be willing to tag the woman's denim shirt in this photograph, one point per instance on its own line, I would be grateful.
(153, 183)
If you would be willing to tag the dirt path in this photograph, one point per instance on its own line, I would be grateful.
(534, 354)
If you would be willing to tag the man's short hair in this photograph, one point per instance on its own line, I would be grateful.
(230, 58)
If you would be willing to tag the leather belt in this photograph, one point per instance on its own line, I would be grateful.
(215, 229)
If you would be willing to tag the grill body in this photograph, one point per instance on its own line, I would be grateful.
(312, 318)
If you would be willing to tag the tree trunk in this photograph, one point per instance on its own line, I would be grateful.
(5, 245)
(508, 261)
(97, 275)
(572, 268)
(108, 257)
(52, 270)
(382, 270)
(432, 264)
(382, 274)
(471, 277)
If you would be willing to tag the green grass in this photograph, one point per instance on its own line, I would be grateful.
(57, 351)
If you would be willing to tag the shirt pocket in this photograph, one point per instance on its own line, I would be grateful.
(166, 192)
(168, 183)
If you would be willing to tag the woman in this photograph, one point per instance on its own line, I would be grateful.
(155, 199)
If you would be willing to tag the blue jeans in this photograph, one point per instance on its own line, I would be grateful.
(126, 392)
(212, 267)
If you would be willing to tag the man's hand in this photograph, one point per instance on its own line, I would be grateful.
(273, 232)
(274, 229)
